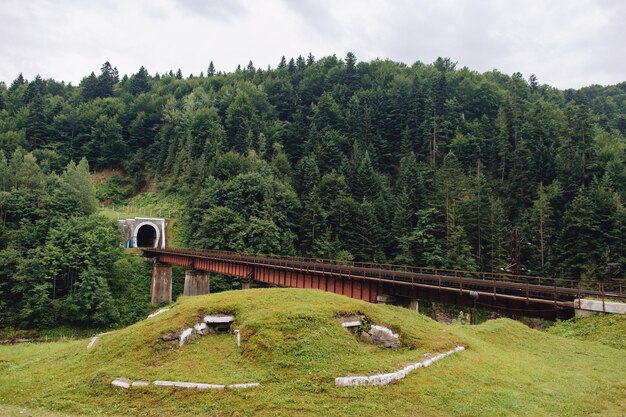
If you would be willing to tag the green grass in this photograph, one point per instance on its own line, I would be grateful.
(608, 329)
(295, 346)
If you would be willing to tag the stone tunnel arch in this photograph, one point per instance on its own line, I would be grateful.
(147, 235)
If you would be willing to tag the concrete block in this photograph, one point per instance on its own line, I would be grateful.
(161, 290)
(600, 306)
(398, 375)
(348, 324)
(351, 381)
(140, 384)
(427, 363)
(247, 385)
(459, 348)
(208, 386)
(163, 310)
(121, 382)
(93, 342)
(218, 319)
(184, 336)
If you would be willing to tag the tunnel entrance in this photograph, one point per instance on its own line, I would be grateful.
(146, 236)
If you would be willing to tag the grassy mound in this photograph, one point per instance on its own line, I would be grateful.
(608, 329)
(294, 345)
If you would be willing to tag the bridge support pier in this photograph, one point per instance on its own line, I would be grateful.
(196, 282)
(161, 291)
(414, 305)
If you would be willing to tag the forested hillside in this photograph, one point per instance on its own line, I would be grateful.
(425, 164)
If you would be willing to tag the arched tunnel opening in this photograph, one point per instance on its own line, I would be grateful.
(146, 236)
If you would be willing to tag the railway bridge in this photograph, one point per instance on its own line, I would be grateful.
(529, 296)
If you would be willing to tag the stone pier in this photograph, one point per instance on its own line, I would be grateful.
(161, 291)
(196, 282)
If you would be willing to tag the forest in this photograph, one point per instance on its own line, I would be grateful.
(422, 164)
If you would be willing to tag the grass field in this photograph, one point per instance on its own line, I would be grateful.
(294, 345)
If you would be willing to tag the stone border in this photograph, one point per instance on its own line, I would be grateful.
(384, 379)
(94, 339)
(163, 310)
(126, 383)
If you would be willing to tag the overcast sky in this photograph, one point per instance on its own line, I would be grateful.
(566, 43)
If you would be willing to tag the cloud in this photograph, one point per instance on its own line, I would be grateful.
(212, 9)
(566, 43)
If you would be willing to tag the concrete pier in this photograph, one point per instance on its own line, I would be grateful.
(196, 282)
(161, 291)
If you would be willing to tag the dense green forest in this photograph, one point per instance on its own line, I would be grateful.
(425, 164)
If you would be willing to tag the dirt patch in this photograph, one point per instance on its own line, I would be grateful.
(105, 174)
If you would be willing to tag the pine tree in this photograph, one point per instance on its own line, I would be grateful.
(210, 72)
(139, 82)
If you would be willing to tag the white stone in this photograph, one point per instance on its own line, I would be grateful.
(93, 342)
(427, 363)
(184, 336)
(385, 330)
(200, 328)
(121, 382)
(459, 348)
(140, 384)
(398, 375)
(343, 381)
(347, 324)
(163, 310)
(207, 386)
(218, 318)
(385, 379)
(247, 385)
(410, 368)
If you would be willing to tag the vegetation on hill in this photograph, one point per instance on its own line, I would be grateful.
(294, 345)
(608, 329)
(426, 164)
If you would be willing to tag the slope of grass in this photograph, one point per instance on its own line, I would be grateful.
(295, 346)
(608, 329)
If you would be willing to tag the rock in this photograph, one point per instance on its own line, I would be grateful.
(140, 384)
(184, 336)
(168, 337)
(201, 328)
(366, 337)
(121, 382)
(349, 324)
(384, 337)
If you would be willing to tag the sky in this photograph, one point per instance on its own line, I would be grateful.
(565, 43)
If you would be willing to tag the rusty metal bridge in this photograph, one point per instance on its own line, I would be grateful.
(519, 295)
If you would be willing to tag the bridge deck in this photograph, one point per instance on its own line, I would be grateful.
(506, 289)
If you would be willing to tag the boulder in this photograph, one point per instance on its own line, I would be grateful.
(383, 336)
(121, 382)
(201, 328)
(184, 336)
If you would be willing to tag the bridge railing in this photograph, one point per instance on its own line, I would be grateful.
(611, 289)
